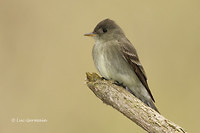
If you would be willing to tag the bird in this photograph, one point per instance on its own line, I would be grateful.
(116, 59)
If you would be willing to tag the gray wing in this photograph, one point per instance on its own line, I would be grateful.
(131, 57)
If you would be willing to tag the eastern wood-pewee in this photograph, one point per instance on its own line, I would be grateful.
(115, 58)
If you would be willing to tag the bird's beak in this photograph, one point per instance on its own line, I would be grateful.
(90, 34)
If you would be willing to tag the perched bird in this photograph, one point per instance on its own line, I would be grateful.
(116, 58)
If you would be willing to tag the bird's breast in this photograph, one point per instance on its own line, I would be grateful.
(100, 59)
(111, 64)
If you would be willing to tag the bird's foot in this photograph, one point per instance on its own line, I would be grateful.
(129, 91)
(102, 78)
(119, 84)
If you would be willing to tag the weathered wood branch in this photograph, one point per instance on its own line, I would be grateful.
(123, 101)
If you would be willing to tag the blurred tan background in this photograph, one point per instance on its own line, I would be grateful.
(44, 57)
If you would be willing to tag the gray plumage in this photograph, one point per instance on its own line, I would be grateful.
(115, 58)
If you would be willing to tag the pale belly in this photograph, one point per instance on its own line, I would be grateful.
(102, 67)
(112, 65)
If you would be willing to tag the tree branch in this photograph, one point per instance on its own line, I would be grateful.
(123, 101)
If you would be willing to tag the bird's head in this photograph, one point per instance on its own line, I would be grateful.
(106, 30)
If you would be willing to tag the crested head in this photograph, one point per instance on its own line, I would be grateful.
(107, 29)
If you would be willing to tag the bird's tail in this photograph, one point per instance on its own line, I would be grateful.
(151, 104)
(148, 101)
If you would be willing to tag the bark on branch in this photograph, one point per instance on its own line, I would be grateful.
(130, 106)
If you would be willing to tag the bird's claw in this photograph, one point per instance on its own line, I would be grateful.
(119, 84)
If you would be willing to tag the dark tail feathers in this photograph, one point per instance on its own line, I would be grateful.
(151, 104)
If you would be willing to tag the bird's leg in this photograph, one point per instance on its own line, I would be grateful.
(119, 84)
(130, 91)
(102, 78)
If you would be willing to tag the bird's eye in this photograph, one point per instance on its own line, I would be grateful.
(104, 30)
